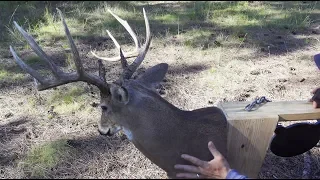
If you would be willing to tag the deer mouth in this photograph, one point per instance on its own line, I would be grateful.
(109, 131)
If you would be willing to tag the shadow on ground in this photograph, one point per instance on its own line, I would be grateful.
(87, 150)
(271, 37)
(8, 134)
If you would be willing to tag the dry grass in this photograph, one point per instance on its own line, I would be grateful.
(208, 62)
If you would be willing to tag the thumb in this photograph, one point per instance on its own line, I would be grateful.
(315, 104)
(213, 149)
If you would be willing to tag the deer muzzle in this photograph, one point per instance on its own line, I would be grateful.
(109, 131)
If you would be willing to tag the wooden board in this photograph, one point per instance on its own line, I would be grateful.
(250, 133)
(248, 142)
(285, 110)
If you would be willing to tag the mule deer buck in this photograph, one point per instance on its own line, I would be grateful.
(161, 131)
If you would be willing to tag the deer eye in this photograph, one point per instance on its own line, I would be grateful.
(104, 107)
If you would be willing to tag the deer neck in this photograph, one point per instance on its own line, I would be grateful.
(154, 114)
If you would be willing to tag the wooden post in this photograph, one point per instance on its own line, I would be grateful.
(250, 133)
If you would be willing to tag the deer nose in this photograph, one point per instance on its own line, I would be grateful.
(105, 134)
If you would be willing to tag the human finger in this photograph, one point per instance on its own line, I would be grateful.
(193, 160)
(315, 104)
(187, 168)
(213, 149)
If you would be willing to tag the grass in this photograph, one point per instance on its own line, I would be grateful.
(241, 17)
(68, 100)
(43, 158)
(217, 29)
(11, 73)
(66, 96)
(245, 14)
(64, 100)
(85, 19)
(9, 77)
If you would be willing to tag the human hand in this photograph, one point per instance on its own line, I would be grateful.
(316, 98)
(217, 168)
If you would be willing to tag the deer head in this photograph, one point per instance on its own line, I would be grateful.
(161, 131)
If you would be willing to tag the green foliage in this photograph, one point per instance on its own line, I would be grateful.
(34, 59)
(87, 19)
(10, 74)
(10, 77)
(167, 18)
(66, 96)
(42, 158)
(66, 101)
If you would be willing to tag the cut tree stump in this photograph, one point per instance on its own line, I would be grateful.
(250, 133)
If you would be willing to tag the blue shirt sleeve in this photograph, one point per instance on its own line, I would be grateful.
(233, 174)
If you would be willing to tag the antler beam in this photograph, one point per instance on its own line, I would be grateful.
(60, 77)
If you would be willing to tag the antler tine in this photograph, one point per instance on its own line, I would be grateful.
(134, 53)
(117, 45)
(61, 77)
(129, 70)
(136, 63)
(56, 71)
(74, 50)
(124, 62)
(128, 28)
(25, 67)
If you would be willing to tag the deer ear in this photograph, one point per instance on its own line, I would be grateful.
(119, 94)
(154, 75)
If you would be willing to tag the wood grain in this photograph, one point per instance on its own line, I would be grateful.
(286, 110)
(250, 133)
(248, 141)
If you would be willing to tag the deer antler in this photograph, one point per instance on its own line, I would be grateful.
(140, 52)
(133, 35)
(60, 77)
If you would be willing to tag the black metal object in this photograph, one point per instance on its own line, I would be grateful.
(295, 139)
(257, 101)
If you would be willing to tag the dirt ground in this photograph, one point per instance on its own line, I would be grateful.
(196, 78)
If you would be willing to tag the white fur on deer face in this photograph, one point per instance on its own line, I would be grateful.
(128, 101)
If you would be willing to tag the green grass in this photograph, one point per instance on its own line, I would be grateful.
(193, 37)
(34, 59)
(197, 24)
(43, 158)
(66, 101)
(240, 17)
(66, 96)
(11, 73)
(244, 14)
(10, 77)
(96, 18)
(194, 22)
(167, 18)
